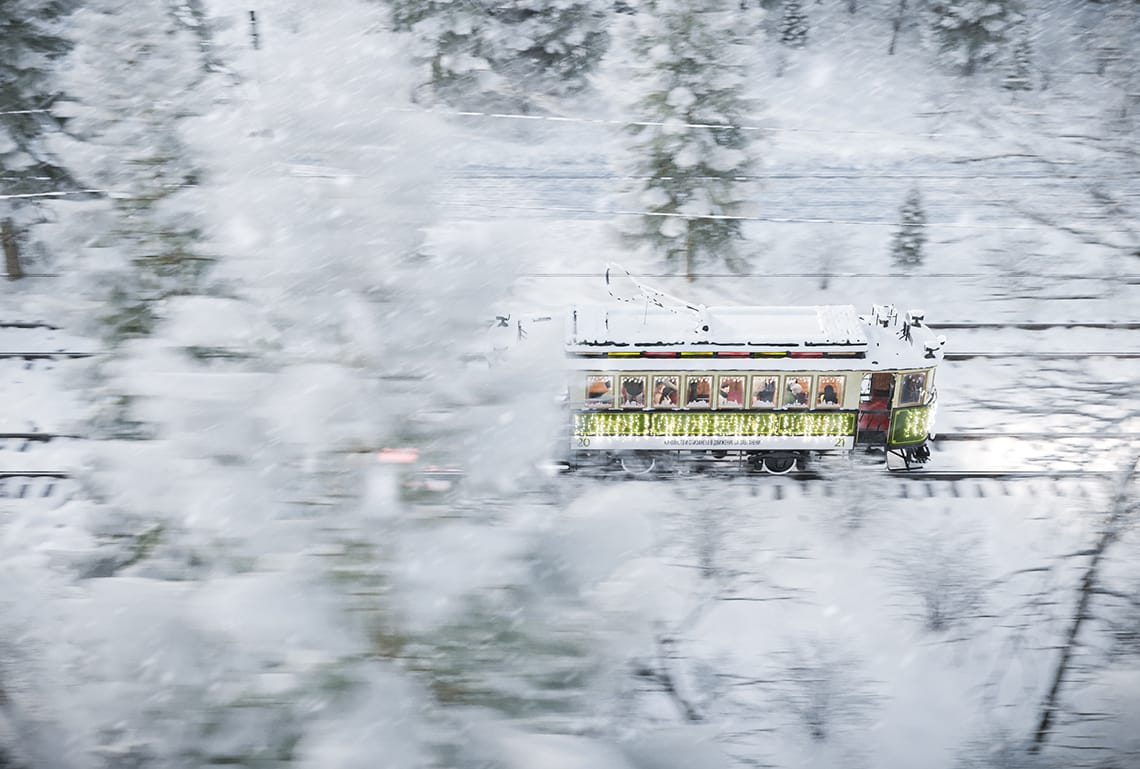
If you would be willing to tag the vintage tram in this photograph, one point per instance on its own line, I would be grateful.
(663, 381)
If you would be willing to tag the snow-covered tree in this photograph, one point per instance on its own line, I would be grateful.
(31, 39)
(548, 47)
(505, 50)
(690, 154)
(971, 33)
(793, 24)
(450, 42)
(908, 241)
(130, 99)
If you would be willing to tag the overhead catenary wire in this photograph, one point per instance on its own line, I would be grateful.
(732, 217)
(960, 177)
(890, 275)
(55, 194)
(623, 212)
(571, 119)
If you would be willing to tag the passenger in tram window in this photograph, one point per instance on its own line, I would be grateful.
(699, 392)
(731, 392)
(633, 392)
(763, 392)
(912, 386)
(796, 392)
(666, 390)
(831, 391)
(599, 391)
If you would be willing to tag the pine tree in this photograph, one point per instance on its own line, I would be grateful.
(549, 47)
(690, 79)
(131, 100)
(505, 50)
(793, 24)
(971, 32)
(449, 42)
(30, 42)
(909, 239)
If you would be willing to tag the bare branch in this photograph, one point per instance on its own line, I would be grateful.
(1113, 528)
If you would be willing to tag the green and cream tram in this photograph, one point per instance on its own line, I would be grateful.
(770, 386)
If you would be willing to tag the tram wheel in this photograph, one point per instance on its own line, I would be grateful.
(638, 463)
(779, 465)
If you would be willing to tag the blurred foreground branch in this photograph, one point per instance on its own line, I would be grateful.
(1123, 509)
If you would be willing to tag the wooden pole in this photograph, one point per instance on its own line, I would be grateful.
(11, 250)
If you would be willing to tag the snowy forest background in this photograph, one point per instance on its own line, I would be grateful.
(283, 227)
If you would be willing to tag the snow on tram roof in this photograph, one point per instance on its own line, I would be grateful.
(783, 327)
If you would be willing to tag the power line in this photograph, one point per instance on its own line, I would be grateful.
(757, 128)
(727, 217)
(57, 194)
(823, 176)
(660, 124)
(767, 275)
(665, 214)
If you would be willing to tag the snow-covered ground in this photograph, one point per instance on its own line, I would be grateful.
(578, 622)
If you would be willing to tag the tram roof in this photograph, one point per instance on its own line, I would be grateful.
(815, 327)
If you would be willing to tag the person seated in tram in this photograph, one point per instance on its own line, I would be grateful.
(700, 391)
(633, 391)
(766, 395)
(829, 396)
(664, 393)
(598, 391)
(732, 391)
(795, 395)
(911, 388)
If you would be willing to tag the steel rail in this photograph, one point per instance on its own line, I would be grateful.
(1127, 278)
(34, 474)
(1022, 325)
(913, 474)
(39, 437)
(48, 355)
(1043, 355)
(985, 436)
(950, 356)
(27, 324)
(1130, 325)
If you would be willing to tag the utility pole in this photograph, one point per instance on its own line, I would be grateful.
(11, 250)
(253, 36)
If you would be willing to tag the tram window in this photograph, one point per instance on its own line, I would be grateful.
(797, 391)
(764, 391)
(830, 392)
(666, 391)
(633, 392)
(913, 386)
(731, 391)
(698, 391)
(599, 391)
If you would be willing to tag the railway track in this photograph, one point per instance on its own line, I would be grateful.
(1042, 355)
(950, 356)
(48, 355)
(28, 325)
(1036, 325)
(972, 435)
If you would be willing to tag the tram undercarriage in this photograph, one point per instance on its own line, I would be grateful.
(649, 463)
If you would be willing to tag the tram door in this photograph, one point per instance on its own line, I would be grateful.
(875, 394)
